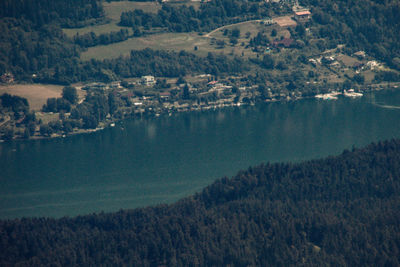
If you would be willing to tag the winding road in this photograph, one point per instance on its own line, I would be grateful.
(220, 28)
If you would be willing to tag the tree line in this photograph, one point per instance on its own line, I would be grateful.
(186, 19)
(91, 39)
(142, 62)
(341, 211)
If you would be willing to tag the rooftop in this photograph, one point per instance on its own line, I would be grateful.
(303, 13)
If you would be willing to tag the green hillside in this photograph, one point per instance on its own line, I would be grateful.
(341, 211)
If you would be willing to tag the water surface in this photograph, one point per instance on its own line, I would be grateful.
(159, 160)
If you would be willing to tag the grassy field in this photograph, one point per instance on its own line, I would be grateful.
(97, 29)
(187, 42)
(164, 41)
(47, 117)
(113, 12)
(36, 94)
(114, 9)
(209, 42)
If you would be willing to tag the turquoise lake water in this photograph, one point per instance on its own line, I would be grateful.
(159, 160)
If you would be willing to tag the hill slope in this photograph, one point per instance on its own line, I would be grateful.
(342, 210)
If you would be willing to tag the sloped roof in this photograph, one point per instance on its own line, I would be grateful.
(303, 13)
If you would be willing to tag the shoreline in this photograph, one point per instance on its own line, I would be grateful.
(328, 96)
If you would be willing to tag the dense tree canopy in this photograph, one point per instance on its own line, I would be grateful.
(339, 211)
(371, 25)
(40, 12)
(70, 94)
(31, 39)
(144, 62)
(185, 19)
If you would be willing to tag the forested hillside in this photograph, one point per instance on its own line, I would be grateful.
(373, 25)
(341, 211)
(73, 13)
(33, 46)
(210, 15)
(31, 40)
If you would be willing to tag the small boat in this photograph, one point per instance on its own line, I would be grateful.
(328, 96)
(351, 93)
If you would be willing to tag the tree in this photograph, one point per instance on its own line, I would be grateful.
(180, 80)
(220, 43)
(358, 78)
(45, 130)
(268, 62)
(69, 93)
(281, 65)
(51, 105)
(32, 128)
(302, 59)
(27, 133)
(291, 86)
(9, 134)
(186, 93)
(137, 33)
(235, 33)
(233, 41)
(300, 30)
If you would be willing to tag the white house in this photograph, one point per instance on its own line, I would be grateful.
(148, 80)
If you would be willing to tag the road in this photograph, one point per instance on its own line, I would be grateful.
(230, 25)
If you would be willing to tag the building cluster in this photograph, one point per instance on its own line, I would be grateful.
(7, 77)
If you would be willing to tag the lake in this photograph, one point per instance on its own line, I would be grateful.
(159, 160)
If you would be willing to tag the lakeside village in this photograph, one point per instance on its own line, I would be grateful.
(104, 104)
(85, 108)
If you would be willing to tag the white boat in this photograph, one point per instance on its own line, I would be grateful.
(351, 93)
(329, 96)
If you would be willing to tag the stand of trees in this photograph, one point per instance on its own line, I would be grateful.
(26, 49)
(72, 13)
(341, 211)
(41, 52)
(31, 38)
(185, 19)
(91, 39)
(142, 62)
(17, 109)
(368, 25)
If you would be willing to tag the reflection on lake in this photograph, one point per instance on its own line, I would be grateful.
(160, 160)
